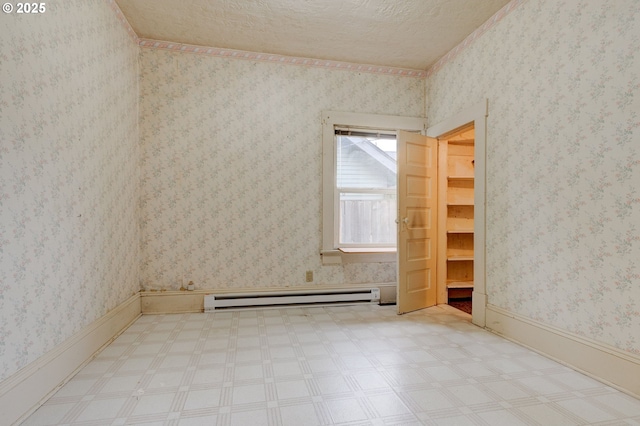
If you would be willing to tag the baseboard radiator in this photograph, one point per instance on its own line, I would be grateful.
(213, 302)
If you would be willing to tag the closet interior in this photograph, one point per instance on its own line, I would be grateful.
(456, 210)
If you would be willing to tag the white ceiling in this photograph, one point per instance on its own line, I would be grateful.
(397, 33)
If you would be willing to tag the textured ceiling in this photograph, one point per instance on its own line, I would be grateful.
(398, 33)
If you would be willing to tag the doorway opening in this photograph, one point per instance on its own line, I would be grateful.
(456, 176)
(474, 279)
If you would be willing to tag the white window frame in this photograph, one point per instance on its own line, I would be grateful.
(331, 254)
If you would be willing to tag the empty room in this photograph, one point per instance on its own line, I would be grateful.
(355, 212)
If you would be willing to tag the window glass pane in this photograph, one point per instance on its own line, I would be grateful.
(366, 162)
(367, 218)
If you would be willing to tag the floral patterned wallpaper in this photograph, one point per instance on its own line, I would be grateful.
(227, 169)
(69, 179)
(231, 168)
(563, 168)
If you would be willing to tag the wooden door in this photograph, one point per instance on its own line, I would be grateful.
(417, 217)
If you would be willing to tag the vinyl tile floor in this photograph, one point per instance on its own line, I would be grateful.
(349, 365)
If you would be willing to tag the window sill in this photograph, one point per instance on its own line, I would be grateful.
(358, 255)
(367, 250)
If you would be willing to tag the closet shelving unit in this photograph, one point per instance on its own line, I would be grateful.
(457, 207)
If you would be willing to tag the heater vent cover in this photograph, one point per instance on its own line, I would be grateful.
(214, 302)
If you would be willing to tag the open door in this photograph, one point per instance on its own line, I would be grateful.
(417, 221)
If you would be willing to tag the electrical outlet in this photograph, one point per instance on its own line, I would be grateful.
(309, 276)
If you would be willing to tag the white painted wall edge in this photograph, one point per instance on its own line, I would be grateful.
(23, 392)
(610, 365)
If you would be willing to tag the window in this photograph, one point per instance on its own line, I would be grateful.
(359, 184)
(365, 188)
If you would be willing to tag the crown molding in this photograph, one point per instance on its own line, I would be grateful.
(317, 63)
(123, 20)
(479, 32)
(281, 59)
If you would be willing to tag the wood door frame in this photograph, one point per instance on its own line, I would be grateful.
(476, 115)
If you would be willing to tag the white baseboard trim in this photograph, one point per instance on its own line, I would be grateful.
(610, 365)
(479, 308)
(23, 392)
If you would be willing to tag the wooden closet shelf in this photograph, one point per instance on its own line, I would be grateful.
(460, 177)
(459, 258)
(459, 231)
(460, 284)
